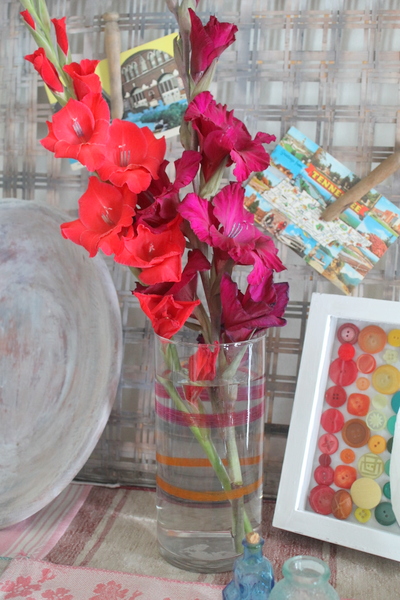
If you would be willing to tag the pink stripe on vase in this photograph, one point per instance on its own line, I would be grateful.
(229, 419)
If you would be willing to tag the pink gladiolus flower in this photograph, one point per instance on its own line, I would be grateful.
(224, 223)
(84, 77)
(133, 156)
(61, 34)
(208, 42)
(242, 314)
(46, 70)
(104, 213)
(223, 137)
(26, 15)
(167, 315)
(80, 131)
(159, 255)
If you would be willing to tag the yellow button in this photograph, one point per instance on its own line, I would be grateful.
(366, 493)
(394, 337)
(362, 515)
(379, 401)
(377, 444)
(386, 379)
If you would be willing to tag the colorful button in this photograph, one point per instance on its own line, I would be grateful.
(376, 420)
(390, 356)
(324, 460)
(342, 504)
(343, 372)
(386, 379)
(328, 443)
(366, 493)
(386, 490)
(362, 383)
(355, 433)
(362, 515)
(384, 514)
(320, 499)
(372, 339)
(389, 445)
(324, 475)
(391, 424)
(344, 476)
(348, 333)
(377, 444)
(366, 363)
(370, 465)
(347, 456)
(332, 420)
(335, 396)
(379, 401)
(346, 351)
(358, 404)
(387, 467)
(395, 402)
(394, 337)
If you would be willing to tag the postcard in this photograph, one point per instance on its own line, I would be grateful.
(288, 198)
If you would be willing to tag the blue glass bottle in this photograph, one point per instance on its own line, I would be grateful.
(253, 578)
(304, 578)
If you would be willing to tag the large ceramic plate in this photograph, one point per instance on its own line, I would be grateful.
(60, 356)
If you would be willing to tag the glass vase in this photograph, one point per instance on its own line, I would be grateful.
(304, 578)
(209, 437)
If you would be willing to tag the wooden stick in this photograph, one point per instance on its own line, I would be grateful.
(112, 41)
(379, 174)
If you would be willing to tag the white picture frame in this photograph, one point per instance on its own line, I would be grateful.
(293, 511)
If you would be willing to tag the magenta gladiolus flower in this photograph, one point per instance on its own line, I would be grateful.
(242, 314)
(224, 223)
(208, 42)
(223, 137)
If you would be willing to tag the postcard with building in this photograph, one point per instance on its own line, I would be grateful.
(287, 201)
(153, 93)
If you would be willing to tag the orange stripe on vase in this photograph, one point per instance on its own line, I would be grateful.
(173, 461)
(234, 494)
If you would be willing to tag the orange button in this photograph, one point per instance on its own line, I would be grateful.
(377, 444)
(347, 456)
(386, 379)
(366, 363)
(362, 383)
(372, 339)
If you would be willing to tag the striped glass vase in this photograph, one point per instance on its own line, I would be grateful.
(209, 435)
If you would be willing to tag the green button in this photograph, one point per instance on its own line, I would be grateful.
(370, 465)
(387, 467)
(380, 401)
(395, 402)
(391, 424)
(389, 445)
(386, 490)
(384, 514)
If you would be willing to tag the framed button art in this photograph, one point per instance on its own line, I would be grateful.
(341, 474)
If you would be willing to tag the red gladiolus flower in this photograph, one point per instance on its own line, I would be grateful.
(222, 136)
(159, 255)
(84, 77)
(104, 213)
(133, 156)
(80, 131)
(46, 70)
(202, 367)
(61, 34)
(259, 308)
(208, 42)
(26, 15)
(167, 315)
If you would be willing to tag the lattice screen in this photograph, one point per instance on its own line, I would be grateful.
(329, 67)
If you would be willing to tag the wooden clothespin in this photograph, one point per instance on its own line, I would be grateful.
(379, 174)
(112, 40)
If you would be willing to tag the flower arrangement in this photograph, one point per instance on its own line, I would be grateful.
(182, 246)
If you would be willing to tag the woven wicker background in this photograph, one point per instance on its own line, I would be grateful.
(329, 67)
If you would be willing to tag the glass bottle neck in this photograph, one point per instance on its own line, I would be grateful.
(253, 551)
(306, 571)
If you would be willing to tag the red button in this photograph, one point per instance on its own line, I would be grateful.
(348, 333)
(346, 351)
(328, 443)
(321, 499)
(332, 420)
(344, 476)
(343, 372)
(324, 475)
(335, 396)
(324, 460)
(366, 363)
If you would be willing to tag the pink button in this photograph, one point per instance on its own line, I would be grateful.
(328, 443)
(332, 420)
(343, 372)
(348, 333)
